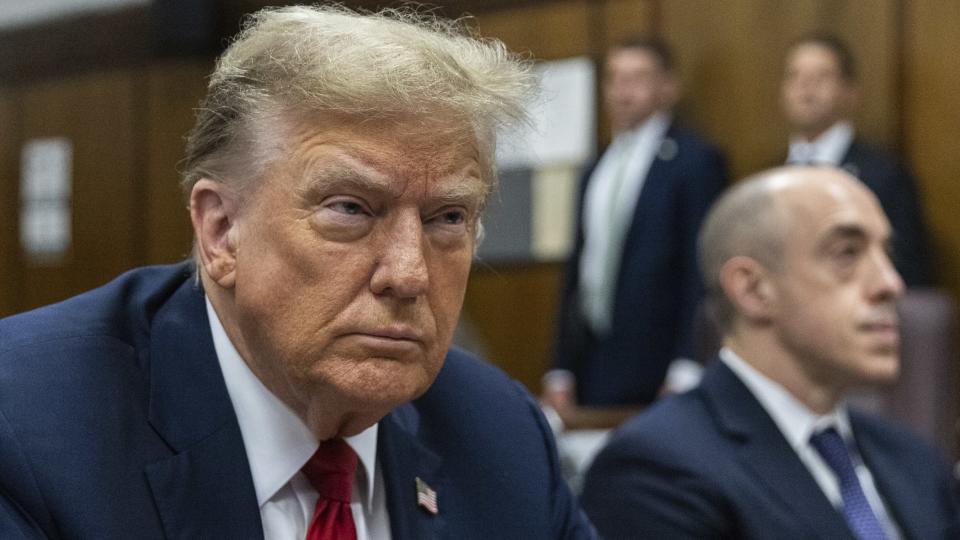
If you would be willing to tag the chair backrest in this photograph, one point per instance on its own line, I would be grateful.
(924, 398)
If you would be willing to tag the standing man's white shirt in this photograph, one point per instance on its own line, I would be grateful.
(827, 149)
(611, 197)
(797, 423)
(278, 444)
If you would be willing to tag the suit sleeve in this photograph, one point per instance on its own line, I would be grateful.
(628, 495)
(567, 519)
(14, 524)
(708, 178)
(17, 489)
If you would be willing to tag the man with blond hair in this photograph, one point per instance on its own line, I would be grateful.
(798, 263)
(295, 379)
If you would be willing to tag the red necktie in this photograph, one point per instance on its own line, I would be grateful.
(331, 471)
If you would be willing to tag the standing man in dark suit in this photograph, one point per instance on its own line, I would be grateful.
(819, 95)
(295, 380)
(631, 285)
(797, 261)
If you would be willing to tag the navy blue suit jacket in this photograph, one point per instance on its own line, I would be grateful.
(711, 463)
(896, 188)
(115, 422)
(658, 287)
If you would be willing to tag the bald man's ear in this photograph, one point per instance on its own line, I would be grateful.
(213, 211)
(747, 285)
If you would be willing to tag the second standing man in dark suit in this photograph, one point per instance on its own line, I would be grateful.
(819, 95)
(631, 285)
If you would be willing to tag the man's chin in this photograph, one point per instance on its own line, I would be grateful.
(884, 369)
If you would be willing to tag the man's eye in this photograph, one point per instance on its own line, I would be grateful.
(347, 207)
(848, 252)
(453, 217)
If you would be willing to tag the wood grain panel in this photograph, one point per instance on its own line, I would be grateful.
(731, 61)
(95, 112)
(174, 90)
(512, 311)
(9, 202)
(548, 31)
(624, 18)
(932, 124)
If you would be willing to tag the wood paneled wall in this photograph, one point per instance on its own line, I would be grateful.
(96, 113)
(174, 89)
(127, 119)
(9, 195)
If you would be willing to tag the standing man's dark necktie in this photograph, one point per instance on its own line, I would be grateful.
(856, 508)
(331, 471)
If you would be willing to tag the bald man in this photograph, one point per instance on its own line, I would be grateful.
(797, 260)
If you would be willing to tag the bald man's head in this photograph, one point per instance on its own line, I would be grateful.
(754, 219)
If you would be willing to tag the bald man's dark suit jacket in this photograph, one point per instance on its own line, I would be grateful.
(897, 191)
(115, 422)
(658, 284)
(712, 464)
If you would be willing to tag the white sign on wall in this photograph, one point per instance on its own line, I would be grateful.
(563, 130)
(45, 200)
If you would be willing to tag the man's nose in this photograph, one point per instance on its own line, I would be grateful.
(401, 269)
(886, 283)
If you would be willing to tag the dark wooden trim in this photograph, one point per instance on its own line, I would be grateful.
(72, 45)
(165, 29)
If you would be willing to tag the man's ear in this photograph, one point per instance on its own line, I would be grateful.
(213, 211)
(748, 286)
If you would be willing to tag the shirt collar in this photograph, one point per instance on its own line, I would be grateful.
(827, 149)
(795, 420)
(651, 129)
(276, 440)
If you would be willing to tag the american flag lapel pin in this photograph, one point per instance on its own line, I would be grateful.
(426, 497)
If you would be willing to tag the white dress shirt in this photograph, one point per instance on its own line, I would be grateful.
(797, 423)
(278, 444)
(610, 201)
(827, 149)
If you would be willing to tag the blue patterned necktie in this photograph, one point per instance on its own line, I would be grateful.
(856, 508)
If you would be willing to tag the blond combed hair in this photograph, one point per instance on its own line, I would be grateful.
(329, 59)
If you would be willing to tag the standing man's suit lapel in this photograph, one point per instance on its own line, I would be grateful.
(205, 489)
(765, 452)
(652, 194)
(405, 459)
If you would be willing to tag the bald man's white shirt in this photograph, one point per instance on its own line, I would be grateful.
(278, 444)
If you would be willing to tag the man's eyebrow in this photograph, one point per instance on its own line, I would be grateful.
(343, 176)
(468, 189)
(452, 189)
(843, 231)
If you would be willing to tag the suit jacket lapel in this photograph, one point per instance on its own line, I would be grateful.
(405, 459)
(765, 452)
(852, 159)
(205, 489)
(892, 480)
(650, 197)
